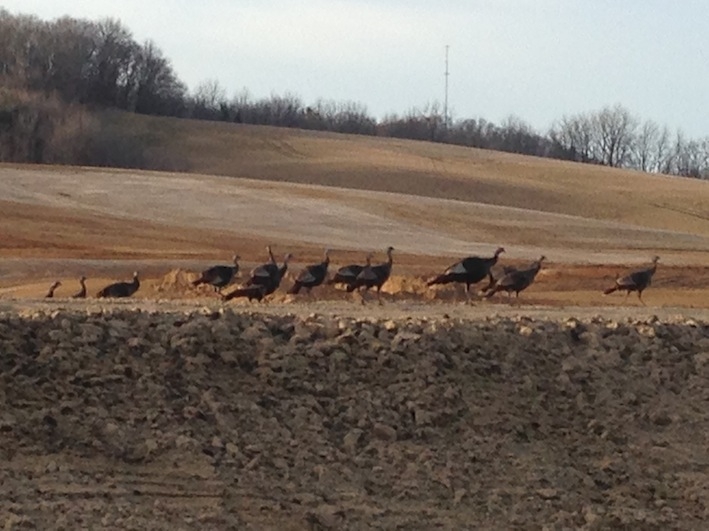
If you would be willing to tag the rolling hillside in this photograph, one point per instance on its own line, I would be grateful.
(433, 199)
(429, 170)
(303, 191)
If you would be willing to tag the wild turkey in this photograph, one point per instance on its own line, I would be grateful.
(373, 276)
(81, 294)
(264, 280)
(468, 271)
(348, 274)
(311, 276)
(496, 273)
(250, 292)
(52, 288)
(121, 289)
(635, 281)
(517, 280)
(219, 276)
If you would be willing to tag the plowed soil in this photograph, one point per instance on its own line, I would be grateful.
(118, 418)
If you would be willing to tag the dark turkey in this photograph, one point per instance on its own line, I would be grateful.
(81, 294)
(373, 276)
(121, 289)
(496, 273)
(468, 271)
(219, 276)
(348, 274)
(311, 276)
(52, 288)
(517, 280)
(264, 280)
(635, 281)
(249, 292)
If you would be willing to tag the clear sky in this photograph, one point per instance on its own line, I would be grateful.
(535, 59)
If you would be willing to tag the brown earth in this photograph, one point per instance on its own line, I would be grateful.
(118, 418)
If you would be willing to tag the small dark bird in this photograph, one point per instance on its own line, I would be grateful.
(52, 288)
(468, 271)
(81, 294)
(264, 280)
(635, 281)
(373, 276)
(219, 276)
(311, 276)
(121, 289)
(517, 280)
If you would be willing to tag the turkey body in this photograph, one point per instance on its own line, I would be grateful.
(219, 276)
(311, 276)
(120, 289)
(636, 281)
(468, 271)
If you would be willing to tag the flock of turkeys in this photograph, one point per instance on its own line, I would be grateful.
(266, 278)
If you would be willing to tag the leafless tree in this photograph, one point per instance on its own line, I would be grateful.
(614, 134)
(646, 142)
(208, 99)
(575, 134)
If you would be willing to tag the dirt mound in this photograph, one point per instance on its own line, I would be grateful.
(218, 420)
(176, 282)
(409, 286)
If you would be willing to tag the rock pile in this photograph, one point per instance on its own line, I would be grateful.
(331, 422)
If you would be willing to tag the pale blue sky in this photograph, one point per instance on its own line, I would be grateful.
(536, 59)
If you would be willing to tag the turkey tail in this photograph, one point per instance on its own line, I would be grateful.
(295, 289)
(610, 290)
(199, 281)
(440, 279)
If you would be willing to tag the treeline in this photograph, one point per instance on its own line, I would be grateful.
(53, 72)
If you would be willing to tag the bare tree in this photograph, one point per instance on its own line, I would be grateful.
(110, 63)
(614, 132)
(663, 152)
(518, 136)
(645, 154)
(208, 100)
(154, 88)
(575, 134)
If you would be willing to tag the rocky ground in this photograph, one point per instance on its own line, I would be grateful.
(224, 418)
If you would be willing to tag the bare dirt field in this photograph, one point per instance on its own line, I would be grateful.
(173, 410)
(117, 418)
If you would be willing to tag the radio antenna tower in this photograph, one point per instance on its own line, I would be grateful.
(445, 101)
